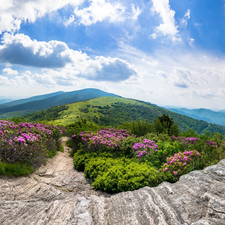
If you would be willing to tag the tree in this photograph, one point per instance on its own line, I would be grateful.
(165, 124)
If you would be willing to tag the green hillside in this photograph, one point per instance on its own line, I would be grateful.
(42, 102)
(114, 111)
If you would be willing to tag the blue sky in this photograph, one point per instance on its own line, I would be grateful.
(170, 53)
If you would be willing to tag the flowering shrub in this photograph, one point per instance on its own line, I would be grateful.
(110, 139)
(180, 164)
(146, 147)
(27, 142)
(148, 151)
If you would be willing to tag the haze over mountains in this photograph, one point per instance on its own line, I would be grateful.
(202, 114)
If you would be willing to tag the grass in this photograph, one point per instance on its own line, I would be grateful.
(73, 114)
(15, 169)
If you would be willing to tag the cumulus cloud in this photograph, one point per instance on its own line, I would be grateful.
(100, 10)
(20, 49)
(168, 25)
(110, 69)
(9, 71)
(6, 81)
(15, 12)
(44, 79)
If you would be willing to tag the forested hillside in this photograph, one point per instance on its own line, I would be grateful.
(114, 111)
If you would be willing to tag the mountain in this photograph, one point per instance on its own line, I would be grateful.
(3, 101)
(58, 98)
(114, 111)
(35, 98)
(202, 114)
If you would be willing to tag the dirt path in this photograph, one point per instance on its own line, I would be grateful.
(58, 194)
(59, 172)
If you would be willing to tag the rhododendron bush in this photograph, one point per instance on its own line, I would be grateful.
(169, 156)
(27, 142)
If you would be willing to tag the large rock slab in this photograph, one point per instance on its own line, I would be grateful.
(58, 194)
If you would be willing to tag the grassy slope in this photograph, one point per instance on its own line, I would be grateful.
(16, 114)
(119, 110)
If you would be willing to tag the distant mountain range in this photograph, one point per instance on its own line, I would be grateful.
(3, 101)
(202, 114)
(37, 103)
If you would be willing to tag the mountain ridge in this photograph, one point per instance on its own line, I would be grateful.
(57, 99)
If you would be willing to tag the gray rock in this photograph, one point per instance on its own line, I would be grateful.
(58, 194)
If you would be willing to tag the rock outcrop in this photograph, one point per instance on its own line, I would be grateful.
(58, 194)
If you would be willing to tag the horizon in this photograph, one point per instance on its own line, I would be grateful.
(163, 106)
(164, 52)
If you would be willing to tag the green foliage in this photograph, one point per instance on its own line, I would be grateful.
(122, 174)
(47, 114)
(128, 144)
(69, 143)
(165, 124)
(165, 149)
(51, 154)
(81, 125)
(180, 164)
(16, 169)
(139, 127)
(61, 148)
(115, 111)
(80, 158)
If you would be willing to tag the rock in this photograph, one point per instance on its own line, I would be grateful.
(58, 194)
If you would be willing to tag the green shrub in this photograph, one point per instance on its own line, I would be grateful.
(122, 174)
(51, 154)
(69, 143)
(128, 144)
(81, 158)
(80, 126)
(61, 148)
(15, 169)
(139, 127)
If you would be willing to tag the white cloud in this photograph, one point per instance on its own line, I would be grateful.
(182, 77)
(69, 21)
(191, 42)
(153, 63)
(44, 79)
(14, 12)
(168, 25)
(9, 71)
(23, 80)
(185, 19)
(110, 69)
(21, 50)
(100, 10)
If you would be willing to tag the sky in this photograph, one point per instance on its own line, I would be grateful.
(167, 52)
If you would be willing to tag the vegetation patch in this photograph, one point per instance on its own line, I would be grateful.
(26, 145)
(119, 160)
